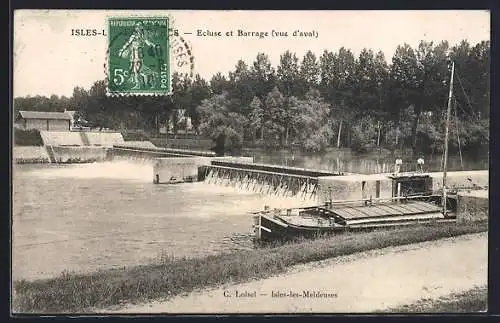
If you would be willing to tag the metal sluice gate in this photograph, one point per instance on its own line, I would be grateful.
(270, 183)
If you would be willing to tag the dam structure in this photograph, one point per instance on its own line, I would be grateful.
(79, 146)
(61, 147)
(172, 166)
(321, 185)
(268, 179)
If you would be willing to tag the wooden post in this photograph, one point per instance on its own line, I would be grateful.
(338, 136)
(445, 161)
(378, 136)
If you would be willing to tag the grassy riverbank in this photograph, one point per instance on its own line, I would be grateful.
(470, 301)
(79, 292)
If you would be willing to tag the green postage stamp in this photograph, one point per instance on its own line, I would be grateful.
(138, 56)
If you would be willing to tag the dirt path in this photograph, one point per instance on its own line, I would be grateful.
(358, 283)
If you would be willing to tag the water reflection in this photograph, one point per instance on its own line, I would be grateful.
(346, 161)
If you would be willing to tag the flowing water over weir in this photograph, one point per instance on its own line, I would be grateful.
(265, 179)
(262, 182)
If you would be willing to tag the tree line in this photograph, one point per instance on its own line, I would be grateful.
(336, 99)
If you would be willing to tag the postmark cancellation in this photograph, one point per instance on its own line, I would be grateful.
(138, 60)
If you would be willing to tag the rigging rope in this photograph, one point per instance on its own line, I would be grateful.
(466, 96)
(458, 137)
(481, 131)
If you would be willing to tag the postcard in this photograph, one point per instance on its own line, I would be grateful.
(257, 162)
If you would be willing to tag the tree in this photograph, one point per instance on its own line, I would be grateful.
(364, 134)
(97, 111)
(274, 116)
(343, 82)
(219, 84)
(263, 76)
(256, 118)
(472, 67)
(219, 123)
(381, 82)
(288, 74)
(405, 85)
(199, 91)
(366, 94)
(327, 64)
(309, 72)
(479, 63)
(312, 130)
(181, 98)
(79, 100)
(241, 88)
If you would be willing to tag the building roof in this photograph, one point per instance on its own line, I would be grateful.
(71, 113)
(43, 115)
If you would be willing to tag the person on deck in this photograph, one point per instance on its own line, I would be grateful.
(397, 166)
(420, 164)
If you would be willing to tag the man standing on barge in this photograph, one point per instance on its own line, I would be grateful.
(397, 166)
(420, 164)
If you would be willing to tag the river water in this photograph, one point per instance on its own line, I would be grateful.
(85, 217)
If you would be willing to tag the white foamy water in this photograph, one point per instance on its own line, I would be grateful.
(123, 170)
(91, 216)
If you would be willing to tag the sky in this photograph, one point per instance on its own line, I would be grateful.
(49, 60)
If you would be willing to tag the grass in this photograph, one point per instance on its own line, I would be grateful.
(77, 293)
(473, 300)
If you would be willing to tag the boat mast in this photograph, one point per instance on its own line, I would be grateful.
(445, 160)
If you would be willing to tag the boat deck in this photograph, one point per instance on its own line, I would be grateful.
(344, 215)
(280, 224)
(384, 210)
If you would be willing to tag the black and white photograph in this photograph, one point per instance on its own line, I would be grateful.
(250, 162)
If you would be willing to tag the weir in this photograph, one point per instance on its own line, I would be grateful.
(331, 185)
(97, 146)
(161, 152)
(278, 169)
(263, 178)
(270, 183)
(135, 152)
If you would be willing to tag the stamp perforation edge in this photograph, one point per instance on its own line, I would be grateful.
(135, 46)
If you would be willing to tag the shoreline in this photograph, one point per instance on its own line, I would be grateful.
(383, 269)
(81, 292)
(383, 279)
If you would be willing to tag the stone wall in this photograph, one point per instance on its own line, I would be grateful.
(185, 169)
(354, 187)
(30, 154)
(78, 154)
(81, 138)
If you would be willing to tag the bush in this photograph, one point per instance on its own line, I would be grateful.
(364, 133)
(27, 137)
